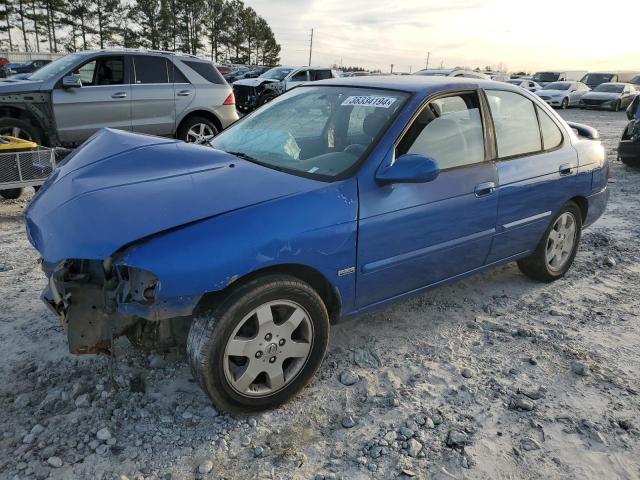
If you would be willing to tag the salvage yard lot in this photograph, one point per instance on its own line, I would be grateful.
(494, 377)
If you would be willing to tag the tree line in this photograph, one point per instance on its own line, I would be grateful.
(224, 30)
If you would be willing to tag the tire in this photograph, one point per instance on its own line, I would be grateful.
(11, 193)
(266, 100)
(616, 107)
(538, 265)
(565, 103)
(233, 327)
(198, 130)
(21, 129)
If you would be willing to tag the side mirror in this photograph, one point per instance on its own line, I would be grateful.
(409, 168)
(71, 81)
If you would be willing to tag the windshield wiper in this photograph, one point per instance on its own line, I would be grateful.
(244, 156)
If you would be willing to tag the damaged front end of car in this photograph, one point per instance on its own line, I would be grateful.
(98, 301)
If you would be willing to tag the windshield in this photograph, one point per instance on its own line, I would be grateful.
(54, 68)
(593, 79)
(557, 86)
(609, 88)
(313, 131)
(277, 73)
(545, 77)
(636, 80)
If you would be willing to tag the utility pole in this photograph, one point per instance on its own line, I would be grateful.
(428, 56)
(392, 68)
(310, 46)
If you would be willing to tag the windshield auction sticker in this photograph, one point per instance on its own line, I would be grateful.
(368, 101)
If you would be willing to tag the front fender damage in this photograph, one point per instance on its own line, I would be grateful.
(99, 301)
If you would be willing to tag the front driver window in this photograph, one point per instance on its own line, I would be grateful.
(449, 130)
(102, 71)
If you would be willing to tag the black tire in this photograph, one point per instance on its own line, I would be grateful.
(266, 99)
(11, 194)
(536, 266)
(26, 131)
(565, 103)
(191, 122)
(616, 107)
(210, 333)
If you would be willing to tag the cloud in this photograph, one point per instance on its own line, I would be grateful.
(376, 33)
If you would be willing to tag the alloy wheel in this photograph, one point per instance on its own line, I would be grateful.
(268, 348)
(200, 133)
(561, 241)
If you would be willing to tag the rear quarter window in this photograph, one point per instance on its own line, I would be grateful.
(206, 70)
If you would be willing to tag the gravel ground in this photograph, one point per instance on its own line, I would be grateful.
(493, 377)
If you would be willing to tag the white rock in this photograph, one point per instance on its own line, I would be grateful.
(103, 434)
(205, 467)
(55, 462)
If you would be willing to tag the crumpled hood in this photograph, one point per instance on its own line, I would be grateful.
(121, 187)
(254, 82)
(13, 85)
(601, 96)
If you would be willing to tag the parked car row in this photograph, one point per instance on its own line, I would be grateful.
(9, 69)
(158, 93)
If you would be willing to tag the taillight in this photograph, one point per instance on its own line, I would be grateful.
(231, 99)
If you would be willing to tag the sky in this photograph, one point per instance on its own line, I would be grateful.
(529, 36)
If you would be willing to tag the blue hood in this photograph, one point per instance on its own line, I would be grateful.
(121, 187)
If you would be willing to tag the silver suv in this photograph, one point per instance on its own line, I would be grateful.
(158, 93)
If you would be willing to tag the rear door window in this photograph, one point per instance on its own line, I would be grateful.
(515, 122)
(150, 69)
(551, 133)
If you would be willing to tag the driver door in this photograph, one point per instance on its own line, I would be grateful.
(412, 235)
(103, 100)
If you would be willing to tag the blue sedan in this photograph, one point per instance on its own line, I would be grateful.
(334, 199)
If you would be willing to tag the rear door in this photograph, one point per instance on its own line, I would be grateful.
(412, 235)
(102, 101)
(537, 172)
(152, 96)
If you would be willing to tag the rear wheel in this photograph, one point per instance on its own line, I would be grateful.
(11, 194)
(555, 253)
(261, 345)
(197, 130)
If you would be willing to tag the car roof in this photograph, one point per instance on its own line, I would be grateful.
(140, 51)
(417, 83)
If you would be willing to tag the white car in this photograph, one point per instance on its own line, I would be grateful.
(525, 83)
(563, 94)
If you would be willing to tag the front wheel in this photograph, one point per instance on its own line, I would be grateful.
(565, 103)
(259, 346)
(555, 253)
(616, 107)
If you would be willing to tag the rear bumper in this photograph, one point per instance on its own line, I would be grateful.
(227, 114)
(597, 203)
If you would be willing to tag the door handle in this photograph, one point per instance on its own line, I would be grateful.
(119, 95)
(566, 168)
(486, 188)
(184, 93)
